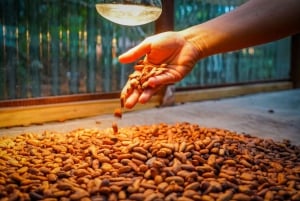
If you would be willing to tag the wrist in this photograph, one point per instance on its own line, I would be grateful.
(198, 39)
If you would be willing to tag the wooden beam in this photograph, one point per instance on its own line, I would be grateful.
(166, 23)
(231, 91)
(39, 114)
(166, 20)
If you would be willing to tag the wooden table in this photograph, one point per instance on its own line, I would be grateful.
(273, 115)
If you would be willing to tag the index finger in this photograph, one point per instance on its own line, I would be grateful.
(135, 53)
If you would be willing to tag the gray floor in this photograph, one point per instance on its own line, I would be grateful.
(273, 115)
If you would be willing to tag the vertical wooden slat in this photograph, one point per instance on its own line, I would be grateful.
(27, 46)
(54, 47)
(63, 49)
(166, 23)
(123, 33)
(20, 56)
(74, 39)
(106, 59)
(35, 63)
(91, 42)
(10, 42)
(283, 58)
(2, 52)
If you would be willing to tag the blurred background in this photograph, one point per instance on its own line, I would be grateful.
(54, 48)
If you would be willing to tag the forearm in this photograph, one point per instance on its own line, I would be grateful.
(253, 23)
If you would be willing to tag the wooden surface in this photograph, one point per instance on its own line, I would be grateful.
(230, 91)
(273, 115)
(30, 115)
(38, 114)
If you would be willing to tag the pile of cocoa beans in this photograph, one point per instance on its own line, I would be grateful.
(161, 162)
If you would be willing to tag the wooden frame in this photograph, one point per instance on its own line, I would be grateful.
(39, 114)
(230, 91)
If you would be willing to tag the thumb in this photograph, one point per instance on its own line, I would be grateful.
(135, 53)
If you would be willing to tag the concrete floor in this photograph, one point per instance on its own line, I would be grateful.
(273, 115)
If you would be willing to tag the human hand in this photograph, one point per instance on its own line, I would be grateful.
(169, 48)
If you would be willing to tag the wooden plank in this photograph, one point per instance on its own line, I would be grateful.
(25, 116)
(231, 91)
(58, 99)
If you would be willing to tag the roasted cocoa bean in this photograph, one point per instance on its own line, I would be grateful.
(115, 127)
(138, 80)
(124, 169)
(177, 179)
(79, 194)
(118, 113)
(241, 197)
(226, 196)
(247, 176)
(137, 196)
(139, 156)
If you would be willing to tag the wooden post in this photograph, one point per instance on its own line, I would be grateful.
(166, 23)
(166, 20)
(295, 61)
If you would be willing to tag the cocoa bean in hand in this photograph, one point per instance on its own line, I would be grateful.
(138, 80)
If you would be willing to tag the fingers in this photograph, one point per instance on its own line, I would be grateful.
(132, 100)
(136, 97)
(147, 94)
(134, 94)
(129, 96)
(135, 53)
(169, 77)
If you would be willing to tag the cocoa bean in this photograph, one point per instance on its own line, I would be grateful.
(118, 113)
(79, 194)
(179, 180)
(115, 127)
(225, 196)
(139, 156)
(137, 196)
(124, 169)
(192, 186)
(269, 196)
(241, 197)
(247, 176)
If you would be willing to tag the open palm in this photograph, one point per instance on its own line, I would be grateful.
(169, 48)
